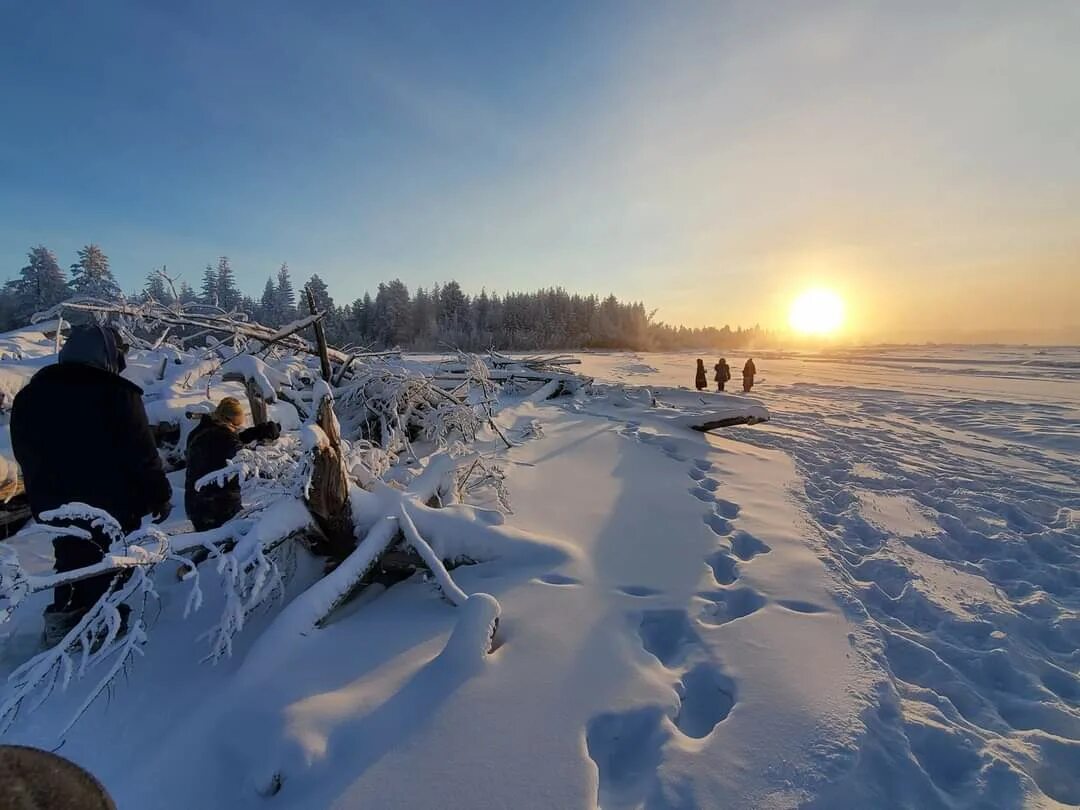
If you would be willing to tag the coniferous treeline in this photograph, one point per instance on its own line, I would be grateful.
(429, 318)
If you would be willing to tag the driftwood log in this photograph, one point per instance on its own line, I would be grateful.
(328, 495)
(730, 421)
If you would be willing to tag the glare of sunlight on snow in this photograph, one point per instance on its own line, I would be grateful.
(817, 312)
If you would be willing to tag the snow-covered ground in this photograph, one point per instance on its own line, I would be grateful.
(941, 489)
(873, 600)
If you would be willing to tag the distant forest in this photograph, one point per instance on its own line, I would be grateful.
(428, 318)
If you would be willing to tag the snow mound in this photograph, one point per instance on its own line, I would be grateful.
(268, 380)
(313, 437)
(471, 639)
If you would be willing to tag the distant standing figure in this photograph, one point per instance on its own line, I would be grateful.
(700, 380)
(748, 372)
(722, 375)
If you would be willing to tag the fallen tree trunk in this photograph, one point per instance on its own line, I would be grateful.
(328, 495)
(730, 421)
(456, 372)
(533, 361)
(343, 581)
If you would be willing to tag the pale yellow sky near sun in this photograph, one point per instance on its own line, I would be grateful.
(922, 160)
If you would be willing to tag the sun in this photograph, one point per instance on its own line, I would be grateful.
(817, 312)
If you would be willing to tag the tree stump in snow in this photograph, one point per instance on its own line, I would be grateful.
(259, 414)
(328, 496)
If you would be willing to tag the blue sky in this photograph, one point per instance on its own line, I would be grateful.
(711, 159)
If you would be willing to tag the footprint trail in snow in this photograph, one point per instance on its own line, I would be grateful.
(628, 746)
(953, 525)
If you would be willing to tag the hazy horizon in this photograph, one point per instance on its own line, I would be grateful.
(712, 160)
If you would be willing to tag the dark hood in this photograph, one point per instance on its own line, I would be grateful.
(94, 345)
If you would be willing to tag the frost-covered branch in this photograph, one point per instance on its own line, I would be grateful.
(392, 408)
(483, 473)
(94, 639)
(250, 578)
(431, 560)
(196, 316)
(97, 518)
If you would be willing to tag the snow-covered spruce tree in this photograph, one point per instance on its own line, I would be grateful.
(285, 298)
(186, 294)
(157, 290)
(333, 323)
(208, 293)
(267, 311)
(91, 276)
(320, 292)
(366, 329)
(40, 285)
(424, 320)
(481, 320)
(8, 306)
(390, 325)
(453, 317)
(357, 321)
(229, 297)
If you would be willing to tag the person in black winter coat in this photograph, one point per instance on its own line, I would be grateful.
(210, 447)
(722, 375)
(699, 379)
(80, 434)
(748, 372)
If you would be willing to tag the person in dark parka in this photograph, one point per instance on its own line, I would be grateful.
(700, 380)
(80, 434)
(722, 375)
(210, 447)
(748, 372)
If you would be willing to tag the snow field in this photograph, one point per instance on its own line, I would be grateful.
(869, 601)
(703, 626)
(941, 491)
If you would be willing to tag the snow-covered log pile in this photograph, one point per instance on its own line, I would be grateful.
(373, 448)
(545, 377)
(376, 452)
(151, 324)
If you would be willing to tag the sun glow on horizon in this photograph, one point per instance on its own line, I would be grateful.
(817, 311)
